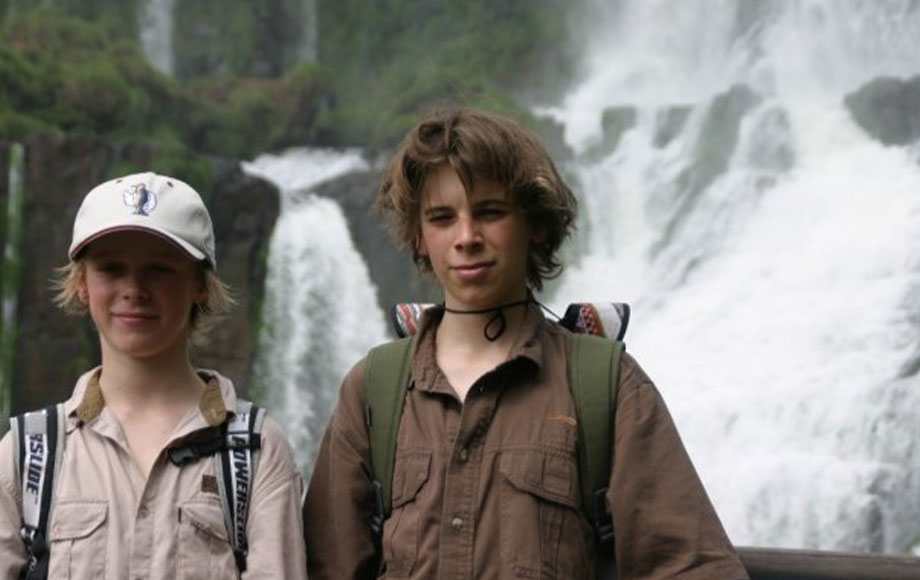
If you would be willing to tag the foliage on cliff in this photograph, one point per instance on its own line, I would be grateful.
(59, 72)
(242, 83)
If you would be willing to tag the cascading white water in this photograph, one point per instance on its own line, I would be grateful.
(12, 266)
(320, 313)
(156, 29)
(771, 250)
(306, 47)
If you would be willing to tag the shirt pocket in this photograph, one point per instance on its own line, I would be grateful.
(544, 534)
(402, 530)
(203, 543)
(78, 539)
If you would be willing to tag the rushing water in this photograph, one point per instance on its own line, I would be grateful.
(771, 250)
(12, 268)
(320, 313)
(156, 33)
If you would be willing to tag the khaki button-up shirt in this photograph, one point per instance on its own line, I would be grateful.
(112, 523)
(489, 488)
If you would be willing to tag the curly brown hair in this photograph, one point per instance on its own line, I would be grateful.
(479, 145)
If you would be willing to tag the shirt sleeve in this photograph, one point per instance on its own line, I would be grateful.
(664, 523)
(340, 498)
(275, 529)
(12, 550)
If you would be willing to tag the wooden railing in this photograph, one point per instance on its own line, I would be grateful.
(782, 564)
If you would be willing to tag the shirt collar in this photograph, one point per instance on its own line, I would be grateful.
(87, 401)
(527, 348)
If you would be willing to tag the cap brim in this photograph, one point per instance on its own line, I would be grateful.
(192, 252)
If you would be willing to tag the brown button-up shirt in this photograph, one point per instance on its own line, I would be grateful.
(112, 523)
(488, 487)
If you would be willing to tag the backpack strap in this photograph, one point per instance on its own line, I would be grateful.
(594, 368)
(386, 380)
(38, 443)
(235, 465)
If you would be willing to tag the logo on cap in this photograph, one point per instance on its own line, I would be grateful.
(140, 198)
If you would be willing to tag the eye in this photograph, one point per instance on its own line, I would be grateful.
(438, 217)
(491, 212)
(109, 267)
(162, 268)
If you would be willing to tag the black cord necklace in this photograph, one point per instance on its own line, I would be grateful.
(498, 318)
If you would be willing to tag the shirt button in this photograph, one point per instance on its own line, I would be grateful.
(464, 455)
(456, 523)
(143, 512)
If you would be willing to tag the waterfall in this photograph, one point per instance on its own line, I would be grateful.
(12, 266)
(307, 45)
(770, 248)
(320, 314)
(156, 32)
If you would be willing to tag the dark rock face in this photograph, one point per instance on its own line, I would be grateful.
(669, 123)
(244, 210)
(53, 348)
(888, 109)
(391, 270)
(615, 122)
(712, 153)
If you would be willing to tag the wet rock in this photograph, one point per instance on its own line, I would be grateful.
(888, 109)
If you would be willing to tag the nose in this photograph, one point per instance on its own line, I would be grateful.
(133, 287)
(469, 236)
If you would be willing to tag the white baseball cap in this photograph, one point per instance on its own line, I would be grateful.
(148, 202)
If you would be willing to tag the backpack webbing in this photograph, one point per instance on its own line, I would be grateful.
(38, 443)
(235, 466)
(385, 382)
(594, 371)
(594, 375)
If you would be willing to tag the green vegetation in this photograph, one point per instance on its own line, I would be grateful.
(241, 86)
(397, 58)
(59, 72)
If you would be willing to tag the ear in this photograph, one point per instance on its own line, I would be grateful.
(82, 292)
(538, 236)
(201, 293)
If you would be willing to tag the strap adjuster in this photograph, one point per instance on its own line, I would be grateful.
(377, 517)
(603, 521)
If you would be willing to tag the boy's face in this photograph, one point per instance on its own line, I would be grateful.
(477, 246)
(140, 290)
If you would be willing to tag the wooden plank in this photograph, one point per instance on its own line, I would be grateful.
(784, 564)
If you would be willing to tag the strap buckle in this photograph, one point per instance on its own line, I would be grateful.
(377, 517)
(603, 521)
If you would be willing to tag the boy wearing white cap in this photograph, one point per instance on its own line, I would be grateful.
(136, 493)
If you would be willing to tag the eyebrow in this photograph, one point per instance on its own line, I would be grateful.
(436, 209)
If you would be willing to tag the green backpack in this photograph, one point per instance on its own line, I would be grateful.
(594, 366)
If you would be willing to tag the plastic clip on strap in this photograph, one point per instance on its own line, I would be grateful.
(603, 521)
(378, 516)
(191, 452)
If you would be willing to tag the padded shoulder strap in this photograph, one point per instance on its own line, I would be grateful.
(594, 369)
(235, 466)
(38, 443)
(385, 382)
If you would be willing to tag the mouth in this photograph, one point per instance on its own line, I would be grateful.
(474, 270)
(134, 317)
